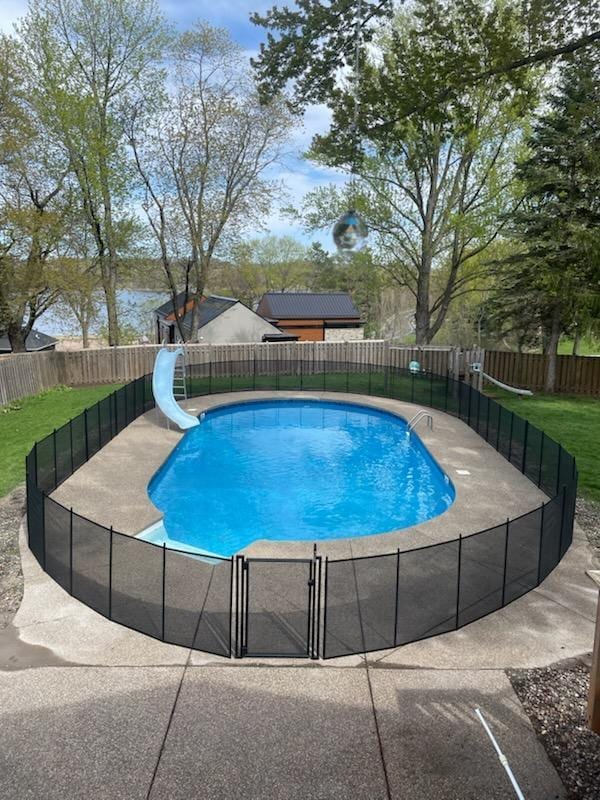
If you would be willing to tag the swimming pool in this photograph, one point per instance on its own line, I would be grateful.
(294, 469)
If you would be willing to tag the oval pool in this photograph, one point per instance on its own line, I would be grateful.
(294, 469)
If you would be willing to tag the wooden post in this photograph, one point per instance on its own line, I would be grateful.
(594, 694)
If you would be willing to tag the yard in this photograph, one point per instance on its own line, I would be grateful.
(572, 420)
(25, 421)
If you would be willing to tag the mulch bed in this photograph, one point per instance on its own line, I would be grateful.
(12, 508)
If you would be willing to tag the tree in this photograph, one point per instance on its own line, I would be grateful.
(33, 204)
(90, 61)
(555, 274)
(434, 190)
(309, 46)
(202, 157)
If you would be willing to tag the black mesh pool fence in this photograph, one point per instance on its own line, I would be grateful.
(301, 607)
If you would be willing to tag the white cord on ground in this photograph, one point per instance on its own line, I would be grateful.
(502, 758)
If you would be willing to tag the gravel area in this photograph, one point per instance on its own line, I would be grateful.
(588, 516)
(555, 700)
(12, 508)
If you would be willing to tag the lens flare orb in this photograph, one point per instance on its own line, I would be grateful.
(350, 232)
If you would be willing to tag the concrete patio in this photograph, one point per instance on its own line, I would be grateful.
(92, 709)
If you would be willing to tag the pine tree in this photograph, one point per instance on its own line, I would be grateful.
(555, 274)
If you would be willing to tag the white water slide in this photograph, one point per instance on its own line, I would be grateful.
(162, 389)
(476, 367)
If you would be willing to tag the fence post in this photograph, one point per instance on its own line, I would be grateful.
(55, 461)
(164, 572)
(510, 434)
(369, 365)
(397, 593)
(446, 393)
(539, 483)
(325, 608)
(110, 564)
(505, 561)
(539, 570)
(458, 580)
(524, 463)
(210, 374)
(562, 521)
(71, 444)
(85, 426)
(318, 608)
(558, 469)
(71, 550)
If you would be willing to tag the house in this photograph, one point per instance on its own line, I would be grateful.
(35, 342)
(313, 317)
(220, 320)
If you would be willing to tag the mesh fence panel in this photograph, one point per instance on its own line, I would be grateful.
(46, 473)
(277, 607)
(120, 410)
(549, 467)
(533, 453)
(376, 582)
(464, 404)
(64, 467)
(343, 633)
(483, 411)
(551, 536)
(452, 399)
(427, 591)
(568, 517)
(493, 423)
(566, 471)
(91, 554)
(136, 599)
(505, 422)
(522, 555)
(57, 530)
(35, 511)
(197, 602)
(517, 442)
(481, 574)
(78, 438)
(106, 421)
(92, 426)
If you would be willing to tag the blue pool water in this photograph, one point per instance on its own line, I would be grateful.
(294, 469)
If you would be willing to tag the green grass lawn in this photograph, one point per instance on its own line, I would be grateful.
(25, 421)
(573, 421)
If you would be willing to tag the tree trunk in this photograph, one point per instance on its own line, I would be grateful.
(85, 333)
(551, 351)
(17, 336)
(576, 341)
(109, 284)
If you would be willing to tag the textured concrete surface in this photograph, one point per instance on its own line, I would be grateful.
(435, 747)
(283, 733)
(112, 487)
(262, 733)
(83, 733)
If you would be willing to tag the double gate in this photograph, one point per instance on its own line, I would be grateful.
(277, 607)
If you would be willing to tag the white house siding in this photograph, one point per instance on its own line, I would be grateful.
(344, 334)
(237, 324)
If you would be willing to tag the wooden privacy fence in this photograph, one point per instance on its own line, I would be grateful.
(574, 374)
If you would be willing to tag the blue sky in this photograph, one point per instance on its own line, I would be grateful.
(298, 175)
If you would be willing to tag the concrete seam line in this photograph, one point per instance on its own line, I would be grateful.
(171, 715)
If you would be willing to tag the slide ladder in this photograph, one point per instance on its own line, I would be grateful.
(164, 384)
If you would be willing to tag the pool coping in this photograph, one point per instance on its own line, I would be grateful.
(491, 491)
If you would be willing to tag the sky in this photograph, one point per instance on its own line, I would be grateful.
(297, 174)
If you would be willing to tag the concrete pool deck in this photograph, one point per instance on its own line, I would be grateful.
(111, 488)
(89, 708)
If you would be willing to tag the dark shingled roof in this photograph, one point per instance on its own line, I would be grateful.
(209, 308)
(307, 305)
(35, 341)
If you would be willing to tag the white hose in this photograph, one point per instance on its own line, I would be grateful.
(501, 757)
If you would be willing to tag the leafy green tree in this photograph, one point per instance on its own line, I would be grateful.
(90, 63)
(34, 205)
(202, 157)
(434, 191)
(555, 274)
(309, 44)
